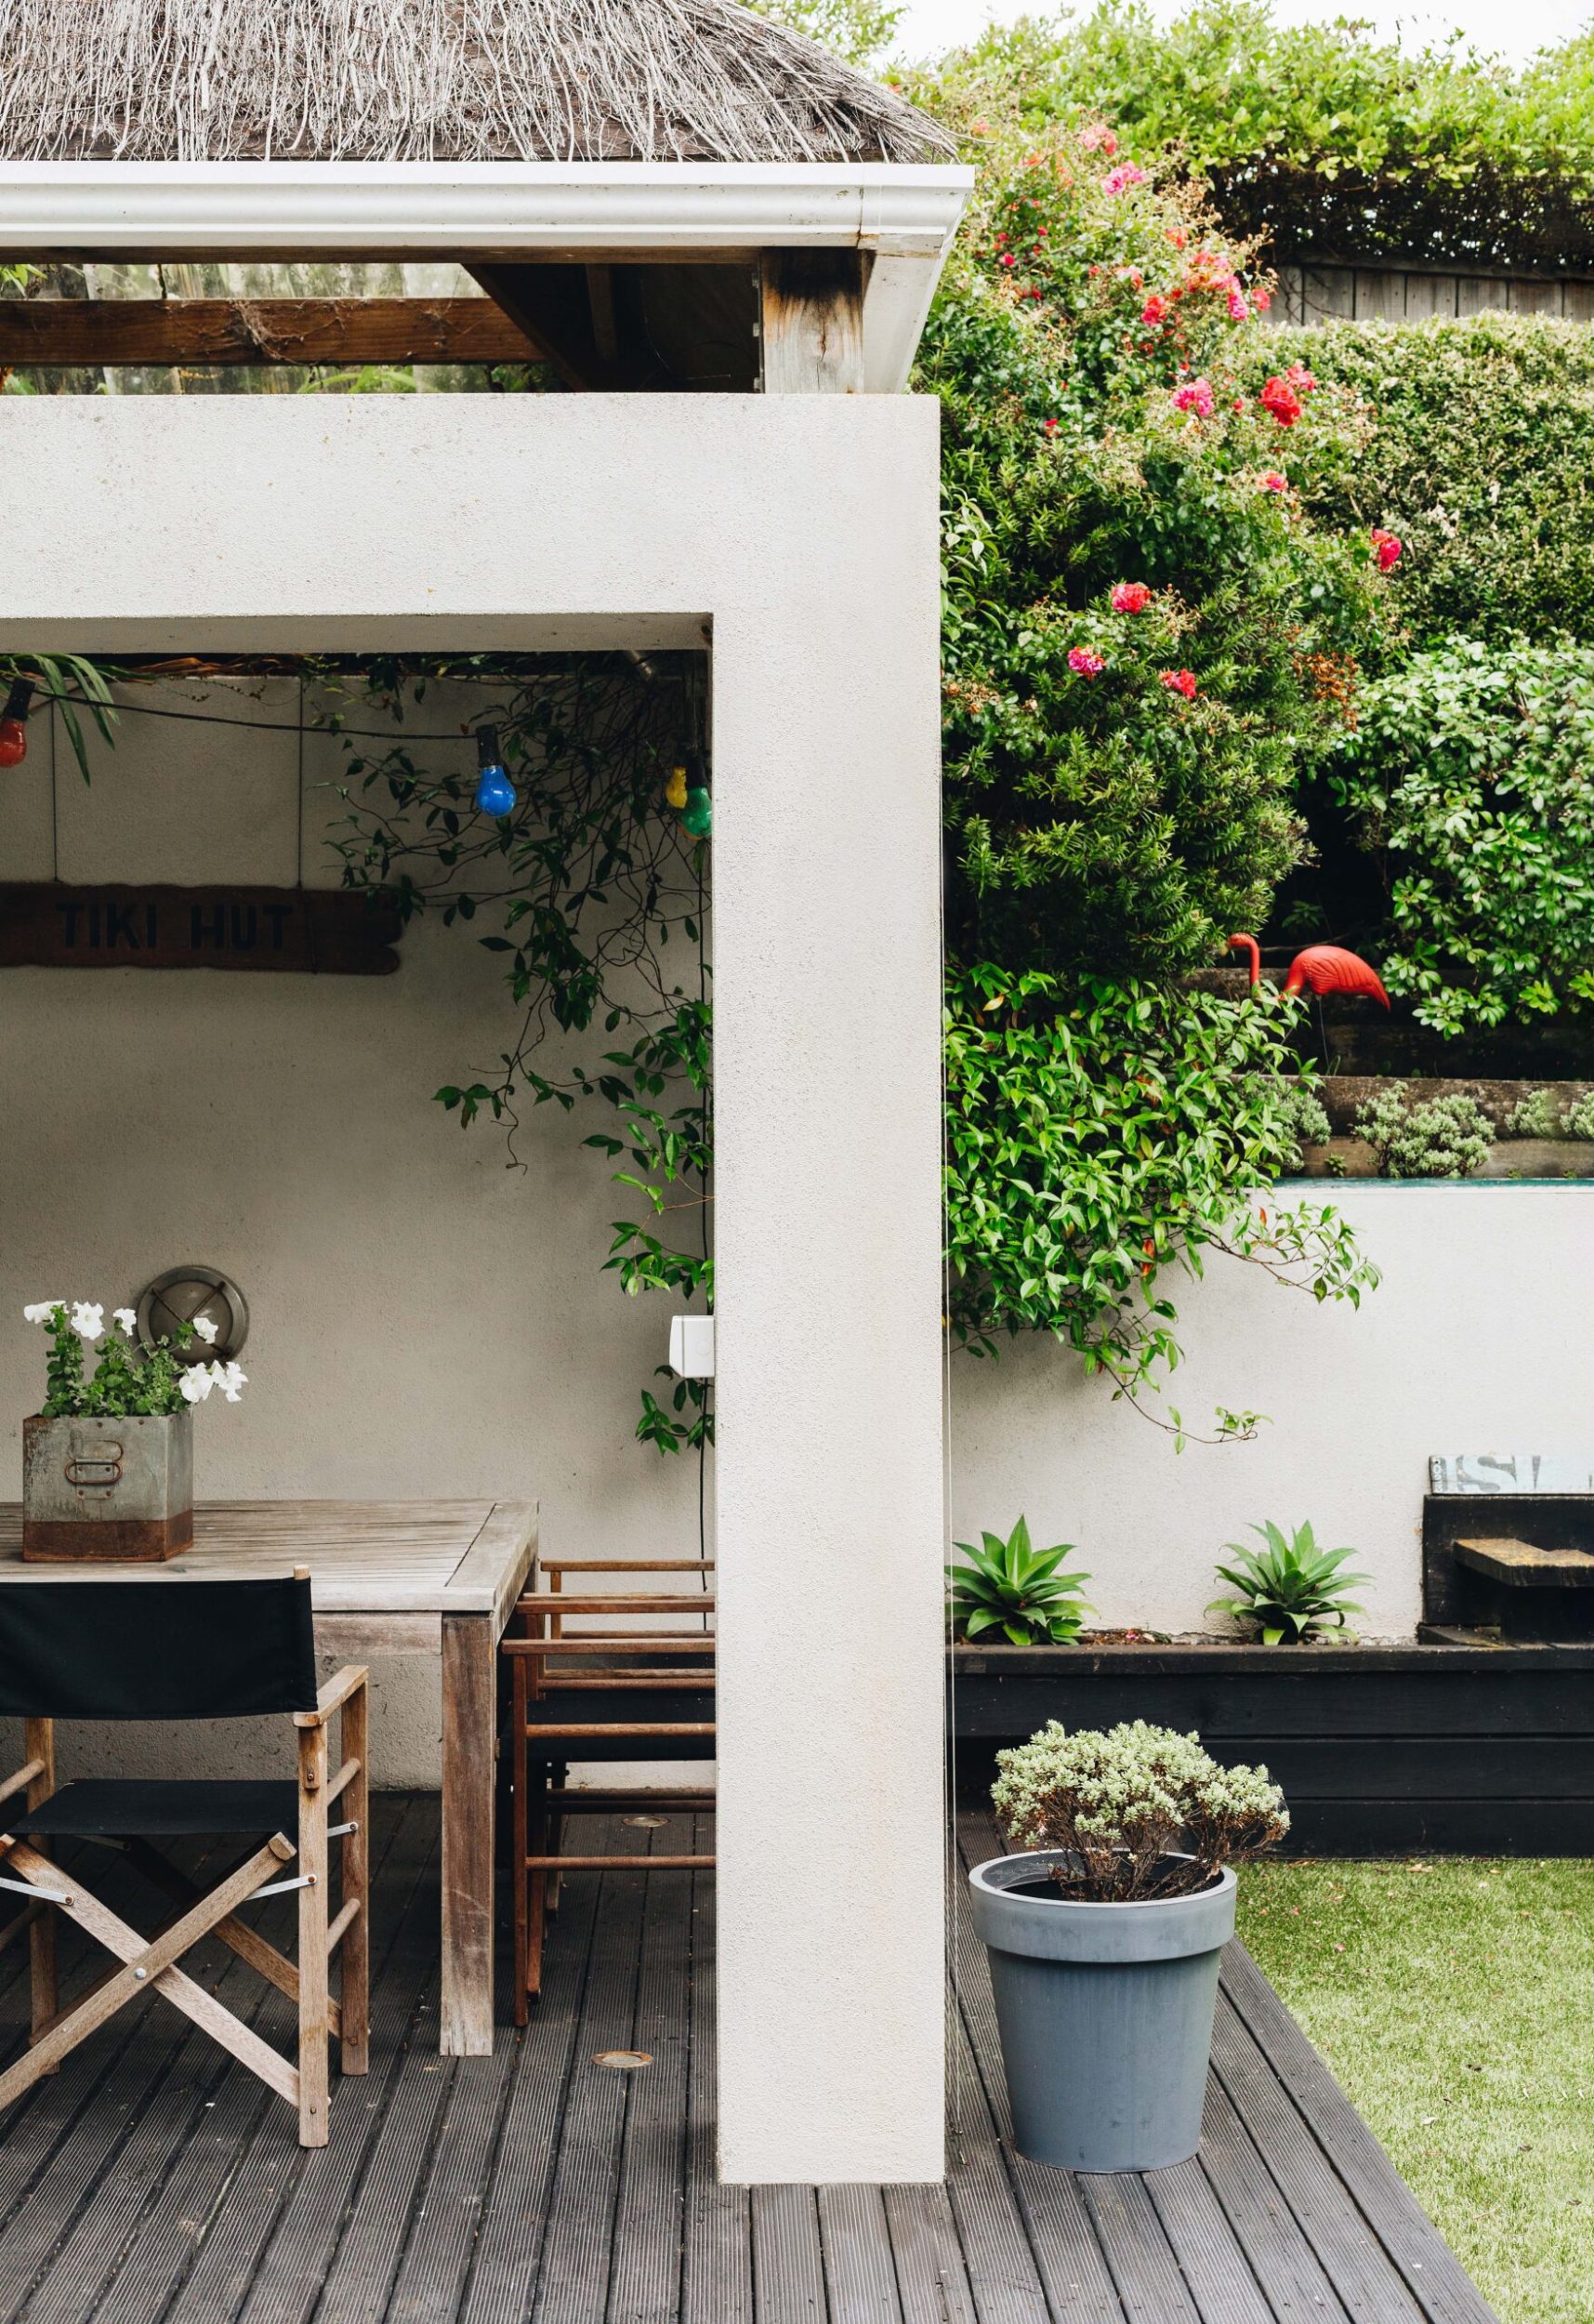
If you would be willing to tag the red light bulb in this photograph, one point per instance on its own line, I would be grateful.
(13, 723)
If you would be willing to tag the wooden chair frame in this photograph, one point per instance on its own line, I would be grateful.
(546, 1659)
(153, 1962)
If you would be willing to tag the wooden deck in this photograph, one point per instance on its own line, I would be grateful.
(152, 2183)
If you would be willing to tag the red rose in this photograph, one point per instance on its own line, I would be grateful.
(1279, 397)
(1179, 681)
(1130, 597)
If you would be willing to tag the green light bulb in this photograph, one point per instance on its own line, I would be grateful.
(699, 813)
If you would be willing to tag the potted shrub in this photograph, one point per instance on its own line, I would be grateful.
(1104, 1929)
(108, 1462)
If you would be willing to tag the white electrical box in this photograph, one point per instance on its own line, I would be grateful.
(691, 1346)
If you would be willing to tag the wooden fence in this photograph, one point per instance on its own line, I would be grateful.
(1355, 294)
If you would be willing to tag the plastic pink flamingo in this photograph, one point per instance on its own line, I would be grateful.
(1319, 969)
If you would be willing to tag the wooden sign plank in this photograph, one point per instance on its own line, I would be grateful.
(1458, 1473)
(315, 931)
(259, 331)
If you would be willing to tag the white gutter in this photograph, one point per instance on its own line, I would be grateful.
(905, 213)
(499, 209)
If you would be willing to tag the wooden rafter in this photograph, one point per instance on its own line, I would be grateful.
(185, 331)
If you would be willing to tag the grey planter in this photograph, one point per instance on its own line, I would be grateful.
(1105, 2013)
(103, 1492)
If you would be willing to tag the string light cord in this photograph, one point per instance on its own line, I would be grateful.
(396, 734)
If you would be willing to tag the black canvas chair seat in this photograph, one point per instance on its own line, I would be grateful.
(187, 1649)
(127, 1807)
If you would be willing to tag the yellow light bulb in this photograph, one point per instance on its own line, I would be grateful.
(675, 789)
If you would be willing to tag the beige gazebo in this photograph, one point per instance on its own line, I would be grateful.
(727, 242)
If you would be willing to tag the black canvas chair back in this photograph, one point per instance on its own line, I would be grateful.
(137, 1650)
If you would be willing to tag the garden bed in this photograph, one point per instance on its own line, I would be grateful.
(1454, 1745)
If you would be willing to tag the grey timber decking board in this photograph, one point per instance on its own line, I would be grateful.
(152, 2181)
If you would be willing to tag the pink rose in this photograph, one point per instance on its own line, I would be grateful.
(1195, 396)
(1083, 663)
(1238, 311)
(1119, 180)
(1271, 482)
(1155, 311)
(1130, 597)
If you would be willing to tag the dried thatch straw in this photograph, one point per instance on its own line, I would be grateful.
(434, 80)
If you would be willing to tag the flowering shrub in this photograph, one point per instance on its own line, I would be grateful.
(128, 1379)
(1478, 463)
(1116, 512)
(1142, 1811)
(1468, 777)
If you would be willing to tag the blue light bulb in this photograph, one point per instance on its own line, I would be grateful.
(495, 795)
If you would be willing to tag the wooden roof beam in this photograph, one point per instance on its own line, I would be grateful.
(233, 330)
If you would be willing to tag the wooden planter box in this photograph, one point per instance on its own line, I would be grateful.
(1461, 1748)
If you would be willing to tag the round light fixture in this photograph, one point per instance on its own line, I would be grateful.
(170, 1306)
(626, 2060)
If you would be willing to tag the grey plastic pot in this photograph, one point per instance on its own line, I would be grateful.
(1105, 2012)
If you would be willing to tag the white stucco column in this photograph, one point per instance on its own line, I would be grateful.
(800, 534)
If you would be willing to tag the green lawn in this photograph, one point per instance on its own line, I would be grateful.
(1453, 2001)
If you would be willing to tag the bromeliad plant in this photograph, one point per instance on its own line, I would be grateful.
(1143, 1811)
(129, 1379)
(1024, 1592)
(1290, 1589)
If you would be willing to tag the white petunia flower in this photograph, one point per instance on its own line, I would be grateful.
(40, 1310)
(207, 1331)
(128, 1320)
(87, 1319)
(230, 1380)
(196, 1383)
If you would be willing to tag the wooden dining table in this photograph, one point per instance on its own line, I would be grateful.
(386, 1577)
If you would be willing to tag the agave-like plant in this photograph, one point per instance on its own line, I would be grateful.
(1289, 1588)
(1019, 1589)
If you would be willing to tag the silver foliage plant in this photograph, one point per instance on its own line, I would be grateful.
(1143, 1811)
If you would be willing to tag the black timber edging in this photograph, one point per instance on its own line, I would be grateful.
(1381, 1750)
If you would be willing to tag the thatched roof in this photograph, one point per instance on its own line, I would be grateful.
(434, 80)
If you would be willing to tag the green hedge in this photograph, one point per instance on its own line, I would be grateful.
(1339, 145)
(1482, 459)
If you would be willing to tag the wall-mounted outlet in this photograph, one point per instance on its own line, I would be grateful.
(691, 1346)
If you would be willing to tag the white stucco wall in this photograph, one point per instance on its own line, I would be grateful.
(1479, 1338)
(286, 1132)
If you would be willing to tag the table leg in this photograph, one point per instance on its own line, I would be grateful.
(470, 1657)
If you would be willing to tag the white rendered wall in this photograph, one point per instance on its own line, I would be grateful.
(1479, 1338)
(803, 530)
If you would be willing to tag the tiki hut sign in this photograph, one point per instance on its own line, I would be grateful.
(311, 931)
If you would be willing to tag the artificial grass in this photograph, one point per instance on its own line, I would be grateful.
(1453, 2001)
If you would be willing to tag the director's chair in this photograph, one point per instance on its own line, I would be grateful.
(173, 1649)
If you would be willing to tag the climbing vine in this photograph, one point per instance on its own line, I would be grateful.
(592, 893)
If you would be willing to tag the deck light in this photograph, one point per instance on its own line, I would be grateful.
(495, 795)
(13, 727)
